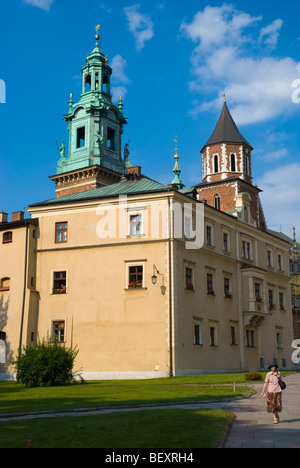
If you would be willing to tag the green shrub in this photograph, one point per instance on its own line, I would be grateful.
(253, 376)
(46, 364)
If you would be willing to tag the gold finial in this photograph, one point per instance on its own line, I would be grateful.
(224, 96)
(121, 99)
(106, 60)
(71, 95)
(97, 37)
(176, 156)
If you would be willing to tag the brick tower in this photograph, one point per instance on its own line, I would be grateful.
(227, 173)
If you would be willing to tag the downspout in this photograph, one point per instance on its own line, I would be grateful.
(170, 234)
(24, 286)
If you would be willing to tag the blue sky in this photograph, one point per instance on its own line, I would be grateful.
(171, 62)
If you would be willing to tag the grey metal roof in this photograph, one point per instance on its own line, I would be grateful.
(226, 131)
(143, 185)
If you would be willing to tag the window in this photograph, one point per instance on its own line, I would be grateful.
(213, 335)
(105, 84)
(281, 301)
(2, 336)
(280, 262)
(209, 235)
(216, 163)
(110, 138)
(247, 165)
(135, 225)
(217, 202)
(188, 227)
(269, 258)
(59, 282)
(233, 335)
(80, 137)
(58, 331)
(135, 276)
(257, 292)
(227, 288)
(5, 284)
(271, 303)
(7, 237)
(250, 343)
(232, 161)
(278, 339)
(61, 232)
(189, 279)
(225, 241)
(246, 250)
(197, 335)
(87, 83)
(210, 284)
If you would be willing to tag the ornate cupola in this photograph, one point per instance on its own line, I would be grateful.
(95, 125)
(227, 173)
(227, 153)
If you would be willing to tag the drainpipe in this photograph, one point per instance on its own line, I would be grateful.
(170, 236)
(24, 286)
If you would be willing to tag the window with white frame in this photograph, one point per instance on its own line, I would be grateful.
(59, 282)
(136, 224)
(58, 331)
(135, 275)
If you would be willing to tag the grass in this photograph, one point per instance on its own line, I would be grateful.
(18, 398)
(172, 428)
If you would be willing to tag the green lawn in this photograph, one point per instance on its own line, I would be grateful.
(17, 398)
(131, 429)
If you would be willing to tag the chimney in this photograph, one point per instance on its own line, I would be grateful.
(134, 172)
(3, 217)
(17, 216)
(173, 187)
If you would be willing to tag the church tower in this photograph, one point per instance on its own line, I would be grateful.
(227, 173)
(93, 158)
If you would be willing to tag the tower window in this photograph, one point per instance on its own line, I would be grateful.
(247, 165)
(233, 165)
(80, 137)
(217, 202)
(105, 84)
(87, 83)
(216, 163)
(110, 138)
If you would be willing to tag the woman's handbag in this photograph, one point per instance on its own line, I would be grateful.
(282, 384)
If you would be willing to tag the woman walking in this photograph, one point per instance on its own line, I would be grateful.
(274, 396)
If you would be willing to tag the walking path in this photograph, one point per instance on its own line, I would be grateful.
(253, 427)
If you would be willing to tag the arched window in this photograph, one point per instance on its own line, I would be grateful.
(87, 83)
(232, 161)
(217, 202)
(4, 284)
(216, 163)
(105, 87)
(7, 237)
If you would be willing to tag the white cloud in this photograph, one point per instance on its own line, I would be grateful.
(118, 64)
(275, 155)
(140, 25)
(259, 87)
(117, 92)
(281, 196)
(271, 33)
(43, 4)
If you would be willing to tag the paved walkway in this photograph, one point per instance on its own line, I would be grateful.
(254, 427)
